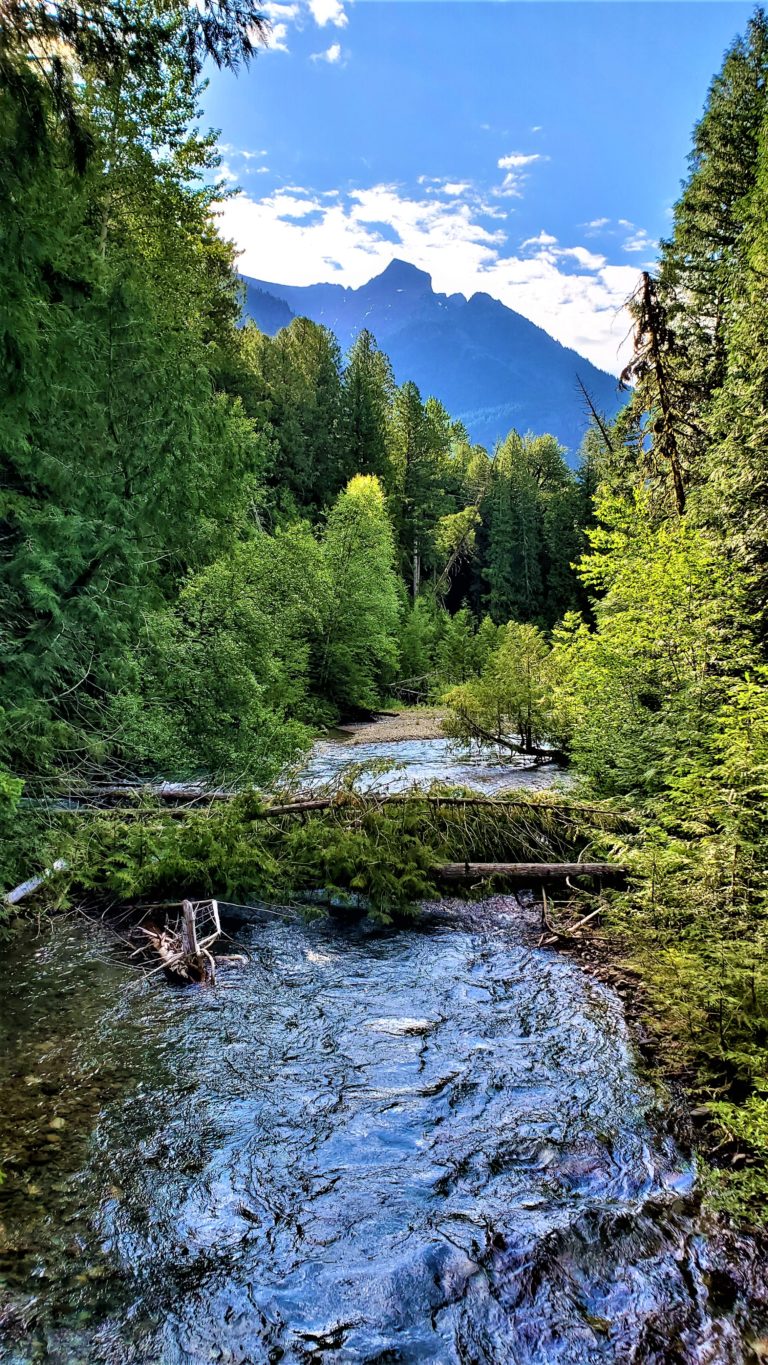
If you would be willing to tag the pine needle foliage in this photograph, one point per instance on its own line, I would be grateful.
(370, 851)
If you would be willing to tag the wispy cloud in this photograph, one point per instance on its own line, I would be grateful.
(228, 150)
(639, 240)
(543, 239)
(276, 11)
(284, 14)
(514, 163)
(633, 239)
(438, 184)
(299, 236)
(239, 162)
(516, 160)
(277, 38)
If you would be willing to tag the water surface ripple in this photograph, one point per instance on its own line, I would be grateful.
(428, 1145)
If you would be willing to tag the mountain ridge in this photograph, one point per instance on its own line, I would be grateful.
(492, 368)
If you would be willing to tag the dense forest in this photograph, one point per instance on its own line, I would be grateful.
(214, 543)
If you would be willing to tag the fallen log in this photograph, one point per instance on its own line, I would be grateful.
(513, 746)
(526, 872)
(159, 791)
(33, 884)
(357, 800)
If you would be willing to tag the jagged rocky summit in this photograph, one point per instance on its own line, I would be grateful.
(491, 367)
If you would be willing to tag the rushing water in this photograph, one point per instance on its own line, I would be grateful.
(422, 761)
(428, 1145)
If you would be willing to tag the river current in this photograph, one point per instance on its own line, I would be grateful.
(363, 1145)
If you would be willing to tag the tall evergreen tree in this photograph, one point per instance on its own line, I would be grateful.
(683, 319)
(513, 536)
(368, 390)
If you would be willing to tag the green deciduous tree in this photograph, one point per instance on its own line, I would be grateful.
(513, 697)
(361, 614)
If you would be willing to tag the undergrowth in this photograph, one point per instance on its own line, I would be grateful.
(383, 852)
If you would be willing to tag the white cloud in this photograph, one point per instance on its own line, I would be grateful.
(276, 12)
(597, 223)
(332, 55)
(514, 164)
(510, 187)
(297, 236)
(516, 160)
(277, 38)
(436, 184)
(244, 157)
(328, 12)
(588, 259)
(543, 239)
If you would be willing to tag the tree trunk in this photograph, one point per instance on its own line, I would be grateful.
(526, 872)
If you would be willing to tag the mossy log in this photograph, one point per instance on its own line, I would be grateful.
(526, 872)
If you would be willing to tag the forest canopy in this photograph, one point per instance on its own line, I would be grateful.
(213, 541)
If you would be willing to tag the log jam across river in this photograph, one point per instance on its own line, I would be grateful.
(423, 1145)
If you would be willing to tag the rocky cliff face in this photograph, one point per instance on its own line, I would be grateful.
(491, 367)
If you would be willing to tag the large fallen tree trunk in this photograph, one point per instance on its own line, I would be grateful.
(33, 884)
(526, 872)
(310, 805)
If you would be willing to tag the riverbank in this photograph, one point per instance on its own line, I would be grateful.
(418, 722)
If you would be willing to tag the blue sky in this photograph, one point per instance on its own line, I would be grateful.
(530, 150)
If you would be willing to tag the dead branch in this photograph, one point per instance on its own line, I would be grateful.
(34, 883)
(184, 955)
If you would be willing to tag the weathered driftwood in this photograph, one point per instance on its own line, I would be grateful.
(526, 872)
(184, 955)
(33, 884)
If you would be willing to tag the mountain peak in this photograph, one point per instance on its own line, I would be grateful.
(401, 274)
(490, 366)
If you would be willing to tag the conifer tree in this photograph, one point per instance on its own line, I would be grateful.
(701, 263)
(368, 389)
(513, 536)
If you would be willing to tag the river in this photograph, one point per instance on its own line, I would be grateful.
(363, 1145)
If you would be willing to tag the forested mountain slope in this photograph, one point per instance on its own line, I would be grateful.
(491, 367)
